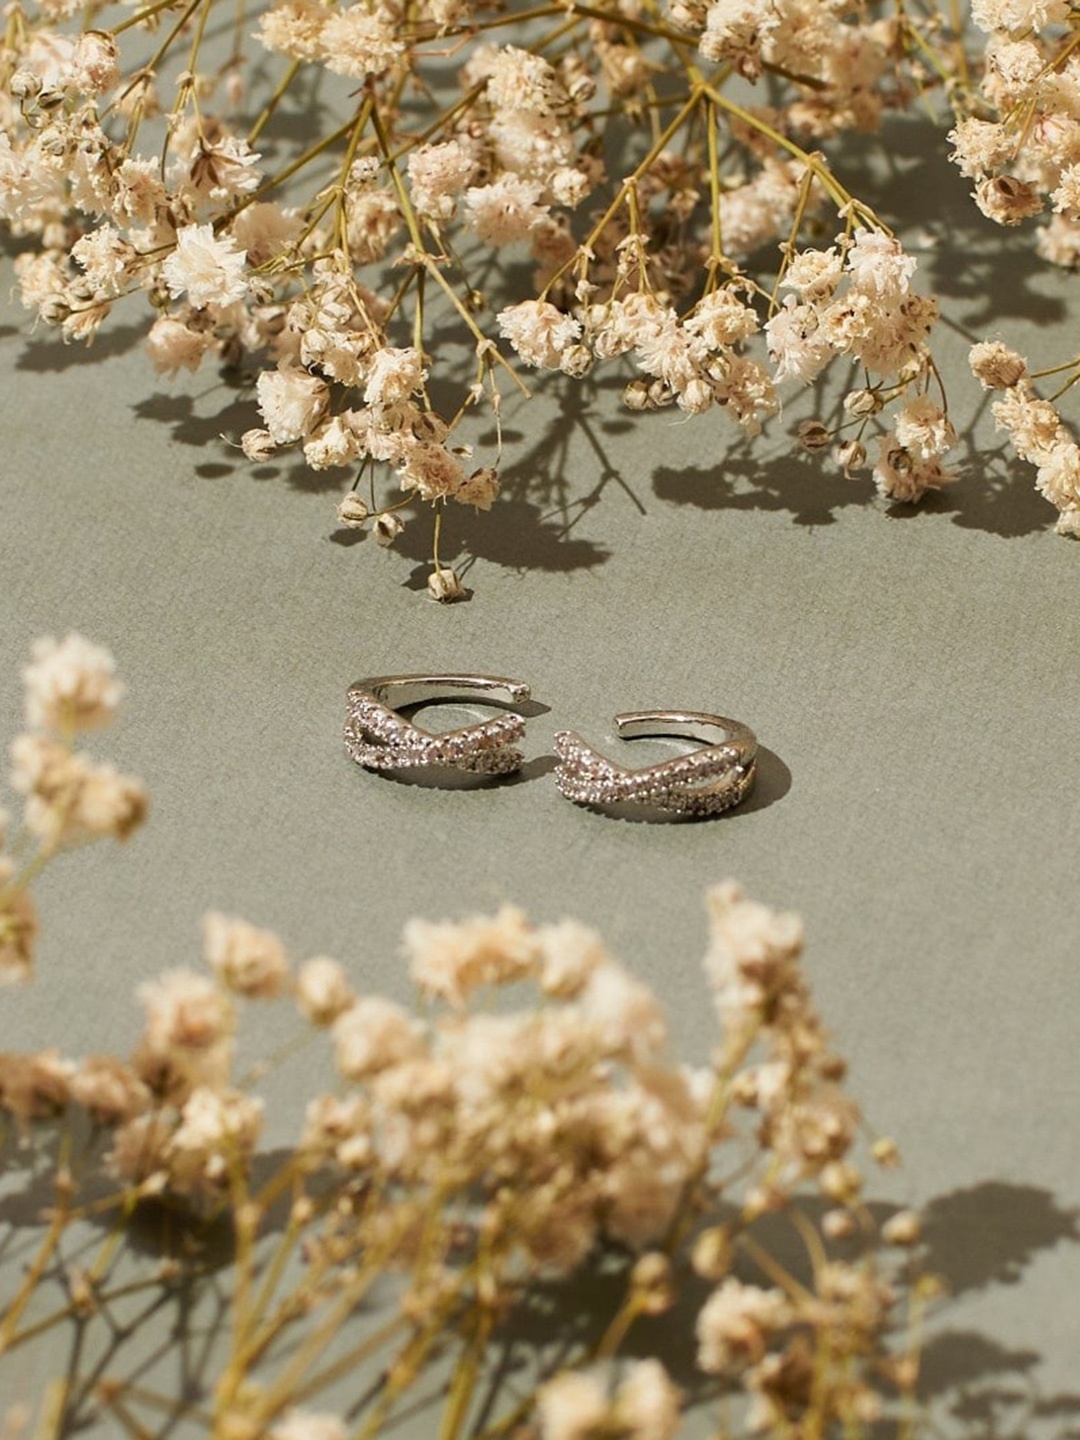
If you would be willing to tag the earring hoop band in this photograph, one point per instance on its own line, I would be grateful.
(379, 738)
(704, 782)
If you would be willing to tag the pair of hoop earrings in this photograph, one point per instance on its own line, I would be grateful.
(706, 781)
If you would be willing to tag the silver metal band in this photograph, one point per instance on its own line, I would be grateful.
(378, 737)
(705, 782)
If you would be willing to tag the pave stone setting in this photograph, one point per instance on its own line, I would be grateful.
(705, 782)
(378, 738)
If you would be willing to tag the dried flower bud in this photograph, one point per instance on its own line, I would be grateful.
(898, 459)
(388, 527)
(302, 1212)
(838, 1224)
(903, 1228)
(257, 444)
(25, 85)
(352, 512)
(711, 1256)
(862, 402)
(996, 366)
(1007, 200)
(444, 585)
(55, 310)
(840, 1182)
(696, 397)
(813, 435)
(850, 456)
(576, 361)
(660, 395)
(94, 62)
(904, 1370)
(362, 172)
(322, 990)
(636, 395)
(261, 289)
(653, 1283)
(886, 1152)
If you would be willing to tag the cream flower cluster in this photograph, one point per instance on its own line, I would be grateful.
(532, 1137)
(521, 1122)
(1021, 146)
(694, 361)
(348, 268)
(855, 299)
(1035, 428)
(70, 686)
(844, 62)
(374, 274)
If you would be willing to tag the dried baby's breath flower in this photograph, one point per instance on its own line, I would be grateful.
(372, 1035)
(443, 585)
(449, 961)
(387, 528)
(108, 1089)
(903, 1228)
(291, 402)
(306, 1425)
(209, 269)
(332, 288)
(173, 346)
(68, 798)
(246, 960)
(480, 1150)
(322, 990)
(70, 684)
(996, 366)
(1007, 200)
(539, 332)
(572, 1406)
(18, 930)
(736, 1324)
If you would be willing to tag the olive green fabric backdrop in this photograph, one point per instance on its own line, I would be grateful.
(912, 676)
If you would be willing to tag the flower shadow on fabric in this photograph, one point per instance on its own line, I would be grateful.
(166, 1340)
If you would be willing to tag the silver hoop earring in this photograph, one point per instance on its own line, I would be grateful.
(378, 737)
(704, 782)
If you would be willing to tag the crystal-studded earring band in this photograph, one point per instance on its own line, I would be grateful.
(378, 737)
(704, 782)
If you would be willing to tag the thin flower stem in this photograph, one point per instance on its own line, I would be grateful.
(841, 197)
(626, 187)
(717, 256)
(811, 1239)
(347, 1363)
(147, 13)
(22, 878)
(101, 1298)
(788, 250)
(465, 1377)
(483, 343)
(1073, 364)
(437, 531)
(395, 176)
(773, 1269)
(10, 1319)
(287, 173)
(274, 101)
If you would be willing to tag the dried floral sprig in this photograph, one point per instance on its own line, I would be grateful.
(70, 687)
(473, 1152)
(1017, 137)
(349, 269)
